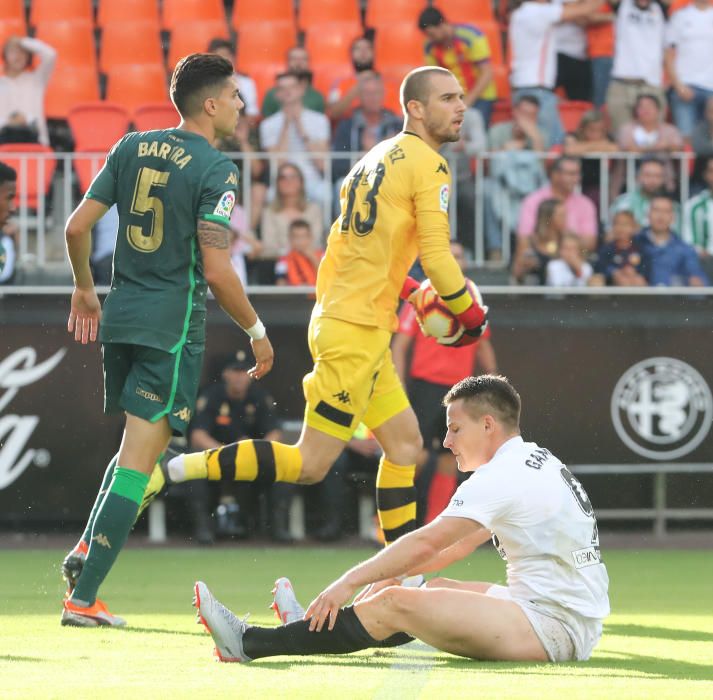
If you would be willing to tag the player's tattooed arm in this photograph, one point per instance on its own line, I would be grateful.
(212, 235)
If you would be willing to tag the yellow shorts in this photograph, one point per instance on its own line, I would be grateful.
(353, 380)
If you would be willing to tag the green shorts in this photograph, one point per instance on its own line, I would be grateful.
(151, 383)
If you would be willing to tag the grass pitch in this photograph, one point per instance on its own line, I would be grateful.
(658, 642)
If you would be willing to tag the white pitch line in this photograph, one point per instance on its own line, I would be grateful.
(406, 678)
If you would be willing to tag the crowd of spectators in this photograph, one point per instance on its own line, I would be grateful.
(638, 71)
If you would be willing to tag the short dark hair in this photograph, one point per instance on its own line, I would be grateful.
(663, 195)
(220, 43)
(197, 77)
(532, 99)
(430, 17)
(415, 85)
(651, 159)
(627, 213)
(7, 174)
(299, 223)
(488, 393)
(557, 165)
(646, 96)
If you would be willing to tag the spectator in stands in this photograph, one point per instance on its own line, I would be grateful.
(648, 132)
(702, 135)
(600, 49)
(534, 61)
(461, 155)
(244, 247)
(22, 89)
(534, 252)
(569, 268)
(298, 64)
(698, 217)
(650, 182)
(298, 132)
(290, 203)
(298, 267)
(246, 85)
(689, 63)
(638, 58)
(581, 214)
(619, 262)
(428, 370)
(590, 139)
(464, 50)
(574, 72)
(237, 408)
(344, 93)
(8, 186)
(370, 123)
(666, 260)
(515, 170)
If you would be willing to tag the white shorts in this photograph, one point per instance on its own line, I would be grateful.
(554, 635)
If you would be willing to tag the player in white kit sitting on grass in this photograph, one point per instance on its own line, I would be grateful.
(540, 520)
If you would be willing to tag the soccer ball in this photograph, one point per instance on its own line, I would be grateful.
(435, 318)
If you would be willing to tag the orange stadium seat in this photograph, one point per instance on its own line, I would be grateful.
(502, 112)
(467, 11)
(396, 72)
(126, 11)
(327, 74)
(260, 42)
(264, 76)
(11, 27)
(129, 43)
(86, 168)
(68, 86)
(97, 126)
(329, 43)
(322, 11)
(400, 44)
(194, 37)
(73, 40)
(571, 112)
(67, 10)
(379, 13)
(39, 171)
(132, 86)
(262, 11)
(156, 115)
(12, 10)
(495, 39)
(181, 11)
(677, 5)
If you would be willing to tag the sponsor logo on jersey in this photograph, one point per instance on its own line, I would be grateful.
(588, 556)
(17, 370)
(442, 168)
(662, 408)
(102, 540)
(443, 198)
(342, 397)
(232, 180)
(225, 205)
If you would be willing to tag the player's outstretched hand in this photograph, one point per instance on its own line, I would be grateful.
(84, 315)
(327, 604)
(264, 356)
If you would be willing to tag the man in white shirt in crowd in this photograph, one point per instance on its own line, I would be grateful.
(541, 521)
(22, 89)
(689, 63)
(298, 132)
(534, 55)
(638, 58)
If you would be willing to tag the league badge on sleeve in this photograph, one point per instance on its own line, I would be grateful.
(225, 205)
(443, 198)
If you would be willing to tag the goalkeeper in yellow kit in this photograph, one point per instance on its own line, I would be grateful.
(394, 207)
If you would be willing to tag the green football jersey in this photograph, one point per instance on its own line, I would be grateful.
(162, 182)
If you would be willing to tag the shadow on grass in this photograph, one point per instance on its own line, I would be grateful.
(659, 633)
(26, 659)
(626, 666)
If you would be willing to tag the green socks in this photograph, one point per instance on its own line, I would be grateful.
(106, 481)
(114, 519)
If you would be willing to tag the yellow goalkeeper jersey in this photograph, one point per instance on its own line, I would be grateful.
(394, 207)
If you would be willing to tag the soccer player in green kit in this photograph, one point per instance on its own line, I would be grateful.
(174, 194)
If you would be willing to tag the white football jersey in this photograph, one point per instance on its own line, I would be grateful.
(543, 525)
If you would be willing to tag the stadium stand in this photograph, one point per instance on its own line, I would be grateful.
(193, 37)
(399, 43)
(70, 85)
(380, 13)
(329, 43)
(263, 11)
(260, 42)
(96, 126)
(179, 11)
(571, 112)
(467, 11)
(134, 85)
(72, 39)
(313, 12)
(66, 10)
(12, 10)
(11, 26)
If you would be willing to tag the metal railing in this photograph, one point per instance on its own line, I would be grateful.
(40, 231)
